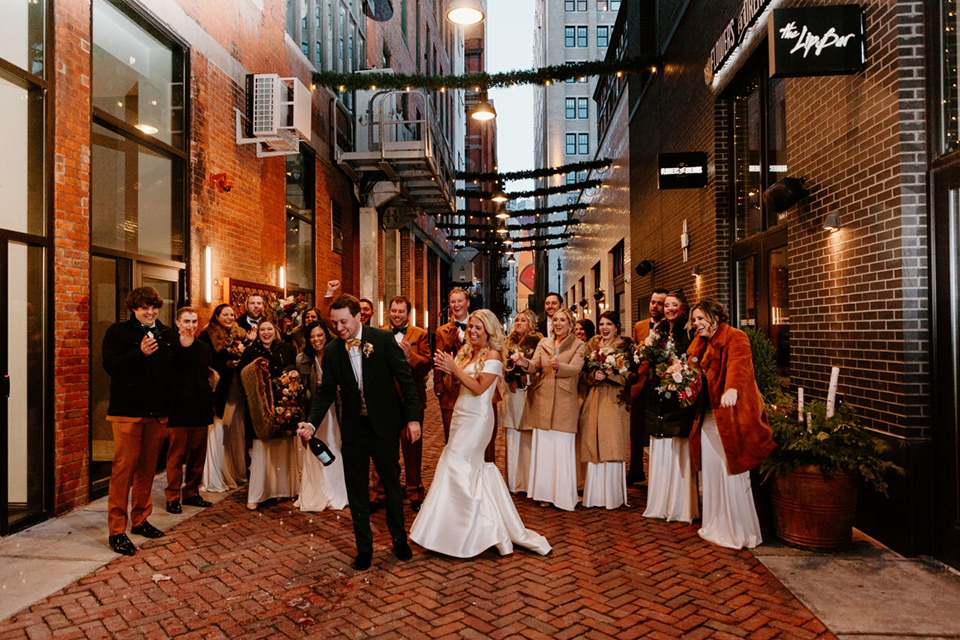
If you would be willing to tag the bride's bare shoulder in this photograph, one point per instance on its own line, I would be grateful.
(493, 354)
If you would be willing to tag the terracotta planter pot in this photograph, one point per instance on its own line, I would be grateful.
(813, 510)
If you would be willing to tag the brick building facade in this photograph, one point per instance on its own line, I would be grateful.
(120, 113)
(858, 297)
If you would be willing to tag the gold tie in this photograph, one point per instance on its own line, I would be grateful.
(356, 342)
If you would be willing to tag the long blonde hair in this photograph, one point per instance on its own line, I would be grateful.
(495, 340)
(531, 320)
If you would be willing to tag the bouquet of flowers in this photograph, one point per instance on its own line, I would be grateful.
(288, 391)
(656, 349)
(609, 360)
(678, 375)
(237, 347)
(289, 307)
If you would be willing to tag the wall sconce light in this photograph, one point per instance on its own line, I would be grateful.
(381, 313)
(644, 267)
(282, 278)
(599, 295)
(696, 271)
(583, 303)
(208, 274)
(413, 316)
(832, 222)
(220, 181)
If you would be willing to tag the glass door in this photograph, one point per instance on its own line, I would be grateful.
(22, 336)
(112, 278)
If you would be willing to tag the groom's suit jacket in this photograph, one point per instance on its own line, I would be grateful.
(388, 387)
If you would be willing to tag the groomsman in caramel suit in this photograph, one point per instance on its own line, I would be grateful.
(449, 340)
(638, 427)
(415, 343)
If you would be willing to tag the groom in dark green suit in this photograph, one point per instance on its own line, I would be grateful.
(379, 400)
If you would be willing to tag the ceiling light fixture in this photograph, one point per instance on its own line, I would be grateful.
(465, 12)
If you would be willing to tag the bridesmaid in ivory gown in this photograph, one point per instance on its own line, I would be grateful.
(468, 508)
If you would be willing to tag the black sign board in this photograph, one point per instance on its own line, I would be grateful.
(816, 41)
(682, 170)
(733, 34)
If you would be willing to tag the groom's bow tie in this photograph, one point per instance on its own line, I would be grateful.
(460, 325)
(356, 342)
(397, 330)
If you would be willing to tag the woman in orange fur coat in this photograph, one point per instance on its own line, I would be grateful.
(731, 434)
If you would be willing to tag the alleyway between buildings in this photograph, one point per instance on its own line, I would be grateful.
(277, 572)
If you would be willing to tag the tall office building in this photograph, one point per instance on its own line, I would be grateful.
(565, 117)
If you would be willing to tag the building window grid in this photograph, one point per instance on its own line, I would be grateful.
(571, 108)
(603, 36)
(603, 5)
(583, 38)
(571, 144)
(569, 37)
(948, 64)
(583, 144)
(583, 108)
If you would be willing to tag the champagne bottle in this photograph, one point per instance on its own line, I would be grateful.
(320, 449)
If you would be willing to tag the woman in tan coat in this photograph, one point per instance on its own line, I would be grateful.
(552, 411)
(523, 340)
(605, 419)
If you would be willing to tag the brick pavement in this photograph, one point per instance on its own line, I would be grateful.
(277, 572)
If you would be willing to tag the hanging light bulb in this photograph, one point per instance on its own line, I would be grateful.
(502, 230)
(483, 110)
(499, 196)
(465, 12)
(507, 241)
(511, 259)
(503, 214)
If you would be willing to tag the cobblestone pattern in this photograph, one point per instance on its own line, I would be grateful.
(281, 573)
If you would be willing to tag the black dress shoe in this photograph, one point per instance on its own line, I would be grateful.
(415, 505)
(147, 530)
(173, 506)
(632, 480)
(197, 501)
(121, 544)
(362, 561)
(402, 551)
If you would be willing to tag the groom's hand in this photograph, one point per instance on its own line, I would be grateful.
(412, 432)
(305, 430)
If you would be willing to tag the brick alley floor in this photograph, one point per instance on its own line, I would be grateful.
(277, 572)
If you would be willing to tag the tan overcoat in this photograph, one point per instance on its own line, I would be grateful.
(552, 401)
(604, 417)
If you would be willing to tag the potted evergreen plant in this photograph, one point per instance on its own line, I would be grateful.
(816, 470)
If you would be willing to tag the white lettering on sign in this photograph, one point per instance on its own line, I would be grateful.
(807, 41)
(680, 171)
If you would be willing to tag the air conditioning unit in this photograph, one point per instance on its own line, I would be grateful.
(462, 272)
(278, 114)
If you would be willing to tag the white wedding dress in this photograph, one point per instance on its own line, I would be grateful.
(468, 508)
(323, 487)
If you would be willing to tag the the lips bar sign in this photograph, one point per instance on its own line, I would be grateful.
(816, 41)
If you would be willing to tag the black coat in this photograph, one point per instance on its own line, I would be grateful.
(665, 418)
(388, 387)
(220, 361)
(246, 323)
(192, 399)
(140, 385)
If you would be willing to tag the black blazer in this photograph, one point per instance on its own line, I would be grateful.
(389, 389)
(192, 399)
(140, 385)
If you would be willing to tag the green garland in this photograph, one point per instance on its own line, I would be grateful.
(480, 81)
(493, 248)
(516, 195)
(555, 236)
(493, 176)
(511, 227)
(520, 213)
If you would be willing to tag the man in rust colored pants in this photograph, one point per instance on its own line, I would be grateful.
(138, 354)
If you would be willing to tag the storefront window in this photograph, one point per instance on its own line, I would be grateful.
(779, 296)
(949, 104)
(749, 170)
(22, 37)
(137, 78)
(21, 159)
(300, 217)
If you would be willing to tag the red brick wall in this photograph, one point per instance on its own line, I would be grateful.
(71, 278)
(245, 227)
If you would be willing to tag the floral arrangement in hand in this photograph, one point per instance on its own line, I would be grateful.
(290, 307)
(288, 393)
(609, 361)
(655, 349)
(237, 347)
(678, 375)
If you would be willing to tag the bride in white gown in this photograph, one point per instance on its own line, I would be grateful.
(468, 508)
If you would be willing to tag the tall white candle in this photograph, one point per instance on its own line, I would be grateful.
(800, 404)
(832, 393)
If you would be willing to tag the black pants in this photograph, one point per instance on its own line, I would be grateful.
(357, 453)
